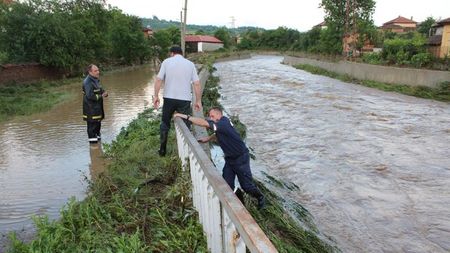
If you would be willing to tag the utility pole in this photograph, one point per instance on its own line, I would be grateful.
(183, 28)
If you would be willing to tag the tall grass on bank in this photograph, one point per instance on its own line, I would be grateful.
(290, 231)
(140, 204)
(441, 93)
(26, 99)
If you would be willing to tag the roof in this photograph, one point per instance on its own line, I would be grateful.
(402, 20)
(392, 26)
(444, 21)
(323, 23)
(435, 40)
(202, 38)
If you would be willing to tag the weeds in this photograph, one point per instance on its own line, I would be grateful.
(26, 99)
(441, 93)
(116, 218)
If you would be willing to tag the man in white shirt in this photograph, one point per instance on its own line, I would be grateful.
(178, 74)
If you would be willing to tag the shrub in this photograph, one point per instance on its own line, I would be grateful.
(372, 58)
(421, 59)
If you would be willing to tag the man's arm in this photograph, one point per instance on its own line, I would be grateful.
(207, 138)
(156, 93)
(196, 121)
(198, 95)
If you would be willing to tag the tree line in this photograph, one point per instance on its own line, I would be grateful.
(70, 34)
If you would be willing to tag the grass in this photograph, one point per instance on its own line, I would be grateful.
(123, 213)
(441, 93)
(26, 99)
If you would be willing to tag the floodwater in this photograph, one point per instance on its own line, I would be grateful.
(46, 158)
(373, 168)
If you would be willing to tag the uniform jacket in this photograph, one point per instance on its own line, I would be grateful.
(92, 99)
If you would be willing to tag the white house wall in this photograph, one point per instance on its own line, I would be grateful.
(204, 46)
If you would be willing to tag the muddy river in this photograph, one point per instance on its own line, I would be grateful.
(372, 167)
(46, 158)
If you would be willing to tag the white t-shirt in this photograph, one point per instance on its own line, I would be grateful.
(178, 74)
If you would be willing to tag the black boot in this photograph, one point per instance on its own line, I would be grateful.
(163, 140)
(259, 197)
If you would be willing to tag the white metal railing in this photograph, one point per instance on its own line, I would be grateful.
(227, 224)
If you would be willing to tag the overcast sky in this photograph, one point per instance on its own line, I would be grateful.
(296, 14)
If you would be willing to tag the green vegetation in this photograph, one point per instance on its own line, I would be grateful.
(160, 24)
(290, 233)
(26, 99)
(442, 93)
(140, 204)
(70, 34)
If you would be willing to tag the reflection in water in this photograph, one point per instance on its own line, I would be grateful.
(97, 165)
(44, 158)
(373, 167)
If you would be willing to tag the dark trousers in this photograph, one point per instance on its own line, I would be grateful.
(240, 167)
(93, 128)
(169, 107)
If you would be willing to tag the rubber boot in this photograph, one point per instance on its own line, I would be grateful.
(259, 198)
(163, 140)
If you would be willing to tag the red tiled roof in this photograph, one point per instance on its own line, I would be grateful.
(202, 38)
(400, 19)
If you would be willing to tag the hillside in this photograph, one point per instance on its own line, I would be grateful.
(157, 24)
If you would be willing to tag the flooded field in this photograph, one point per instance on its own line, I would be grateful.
(372, 167)
(46, 158)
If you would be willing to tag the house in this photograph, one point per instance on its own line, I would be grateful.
(202, 43)
(439, 41)
(349, 45)
(148, 32)
(322, 25)
(400, 25)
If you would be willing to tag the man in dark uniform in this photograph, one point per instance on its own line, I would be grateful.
(237, 159)
(93, 95)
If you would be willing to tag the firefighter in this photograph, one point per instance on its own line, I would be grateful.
(93, 95)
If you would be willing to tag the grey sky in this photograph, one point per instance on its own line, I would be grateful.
(300, 15)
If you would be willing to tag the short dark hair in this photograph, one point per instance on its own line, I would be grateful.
(215, 108)
(176, 50)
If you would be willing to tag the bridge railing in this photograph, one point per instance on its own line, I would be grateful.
(227, 224)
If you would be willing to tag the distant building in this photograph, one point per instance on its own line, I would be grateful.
(148, 32)
(202, 43)
(322, 25)
(349, 43)
(439, 41)
(400, 25)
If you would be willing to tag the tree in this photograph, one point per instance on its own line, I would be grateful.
(425, 26)
(347, 17)
(224, 35)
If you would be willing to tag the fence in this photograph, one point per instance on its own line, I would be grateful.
(227, 224)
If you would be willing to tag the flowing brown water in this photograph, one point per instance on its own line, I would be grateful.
(45, 158)
(372, 167)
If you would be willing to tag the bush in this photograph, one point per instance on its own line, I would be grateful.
(421, 59)
(3, 57)
(372, 58)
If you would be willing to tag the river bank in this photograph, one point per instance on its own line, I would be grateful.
(21, 99)
(430, 84)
